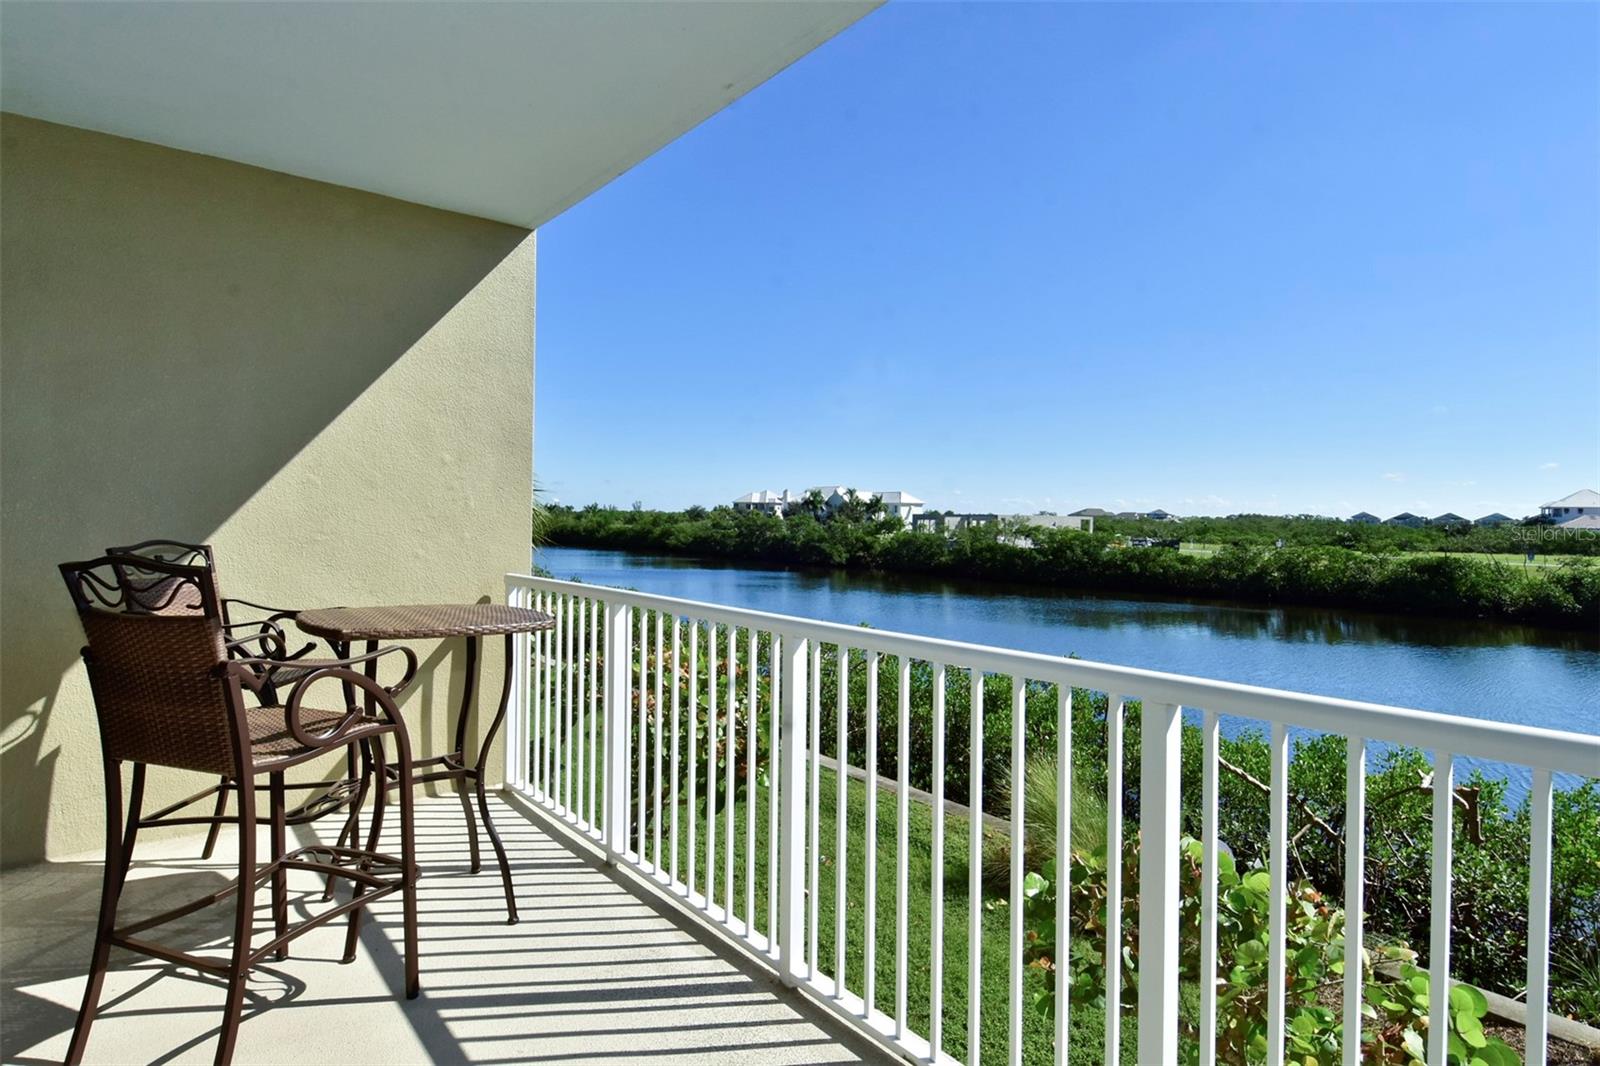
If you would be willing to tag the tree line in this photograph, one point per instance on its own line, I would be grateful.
(1367, 570)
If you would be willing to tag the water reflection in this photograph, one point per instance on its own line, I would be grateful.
(1503, 672)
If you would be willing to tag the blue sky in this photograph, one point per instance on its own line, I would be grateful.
(1206, 257)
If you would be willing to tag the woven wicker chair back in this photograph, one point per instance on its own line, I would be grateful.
(156, 668)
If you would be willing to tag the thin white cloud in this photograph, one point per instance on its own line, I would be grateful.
(1394, 476)
(1549, 466)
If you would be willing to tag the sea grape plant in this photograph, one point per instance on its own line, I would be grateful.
(1395, 995)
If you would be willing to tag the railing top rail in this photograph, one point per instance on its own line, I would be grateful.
(1531, 746)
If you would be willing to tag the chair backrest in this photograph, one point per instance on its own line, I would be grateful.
(157, 593)
(157, 671)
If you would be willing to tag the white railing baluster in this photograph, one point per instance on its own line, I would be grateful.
(842, 780)
(693, 838)
(774, 786)
(1063, 865)
(750, 806)
(1355, 845)
(730, 735)
(1278, 915)
(1208, 889)
(936, 924)
(1019, 785)
(547, 723)
(711, 763)
(535, 681)
(902, 852)
(594, 702)
(661, 669)
(677, 668)
(975, 875)
(615, 789)
(1439, 938)
(1113, 953)
(1537, 1039)
(814, 804)
(559, 705)
(1159, 833)
(558, 670)
(552, 676)
(644, 732)
(578, 737)
(536, 748)
(792, 790)
(869, 945)
(575, 673)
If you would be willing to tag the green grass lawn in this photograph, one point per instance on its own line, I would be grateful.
(1087, 1022)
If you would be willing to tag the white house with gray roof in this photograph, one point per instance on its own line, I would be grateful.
(898, 504)
(1578, 505)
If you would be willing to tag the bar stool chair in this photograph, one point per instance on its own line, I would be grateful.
(262, 636)
(167, 693)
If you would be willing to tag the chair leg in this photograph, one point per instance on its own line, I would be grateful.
(131, 833)
(408, 859)
(110, 892)
(280, 876)
(243, 928)
(216, 818)
(350, 832)
(380, 776)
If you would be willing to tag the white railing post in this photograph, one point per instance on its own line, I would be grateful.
(1158, 882)
(792, 824)
(618, 685)
(517, 713)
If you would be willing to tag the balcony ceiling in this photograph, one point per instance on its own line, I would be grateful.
(509, 111)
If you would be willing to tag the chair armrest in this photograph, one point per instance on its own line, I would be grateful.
(257, 670)
(274, 614)
(265, 639)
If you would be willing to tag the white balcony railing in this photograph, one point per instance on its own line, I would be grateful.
(595, 738)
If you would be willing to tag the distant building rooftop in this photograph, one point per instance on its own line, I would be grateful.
(1581, 498)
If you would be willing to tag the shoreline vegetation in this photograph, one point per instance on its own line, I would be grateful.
(1476, 573)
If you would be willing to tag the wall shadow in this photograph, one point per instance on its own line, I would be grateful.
(177, 328)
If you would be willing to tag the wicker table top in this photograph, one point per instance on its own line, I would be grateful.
(416, 621)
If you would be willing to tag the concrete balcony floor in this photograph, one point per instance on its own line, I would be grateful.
(597, 969)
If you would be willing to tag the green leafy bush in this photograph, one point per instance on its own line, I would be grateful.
(1395, 1004)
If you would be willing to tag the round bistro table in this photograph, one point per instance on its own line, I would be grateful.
(341, 626)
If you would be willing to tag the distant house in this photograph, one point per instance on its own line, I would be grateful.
(1365, 518)
(1583, 521)
(1128, 516)
(950, 523)
(1496, 519)
(1091, 512)
(765, 501)
(1407, 519)
(901, 505)
(1580, 503)
(1159, 515)
(1083, 523)
(1449, 518)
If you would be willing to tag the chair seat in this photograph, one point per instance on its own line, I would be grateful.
(270, 738)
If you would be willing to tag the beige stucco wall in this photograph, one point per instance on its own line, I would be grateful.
(333, 388)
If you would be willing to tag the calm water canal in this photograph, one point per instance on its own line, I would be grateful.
(1508, 673)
